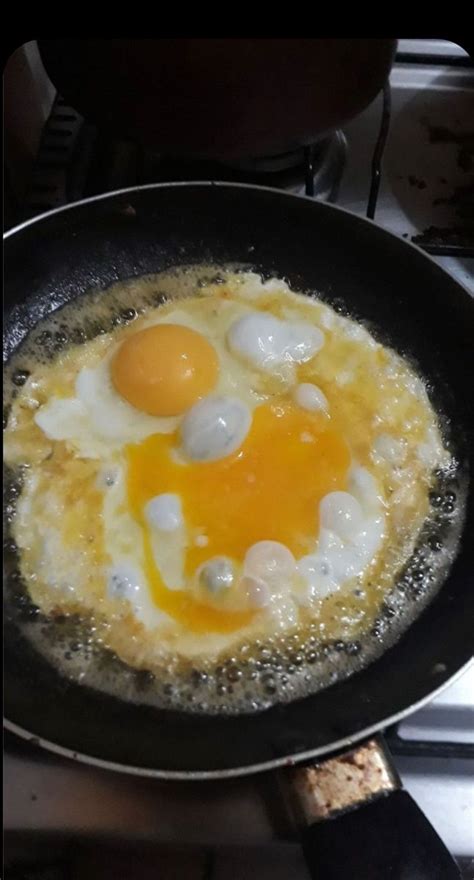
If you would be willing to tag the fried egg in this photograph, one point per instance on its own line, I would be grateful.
(242, 463)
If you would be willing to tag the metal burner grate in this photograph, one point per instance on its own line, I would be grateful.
(423, 748)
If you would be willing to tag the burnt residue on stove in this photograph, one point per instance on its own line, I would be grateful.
(438, 236)
(416, 181)
(462, 199)
(461, 233)
(440, 134)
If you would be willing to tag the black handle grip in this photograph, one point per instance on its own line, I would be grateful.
(386, 839)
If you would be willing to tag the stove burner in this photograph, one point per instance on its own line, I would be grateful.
(279, 162)
(316, 169)
(76, 160)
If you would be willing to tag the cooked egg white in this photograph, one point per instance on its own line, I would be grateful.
(294, 470)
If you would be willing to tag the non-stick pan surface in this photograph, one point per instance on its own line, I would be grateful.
(405, 298)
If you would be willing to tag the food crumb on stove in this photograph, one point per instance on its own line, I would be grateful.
(416, 181)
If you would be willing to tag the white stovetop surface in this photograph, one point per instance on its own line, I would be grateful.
(444, 787)
(422, 96)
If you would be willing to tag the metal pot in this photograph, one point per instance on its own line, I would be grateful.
(221, 98)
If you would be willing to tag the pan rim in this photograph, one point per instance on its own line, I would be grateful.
(345, 742)
(235, 772)
(231, 185)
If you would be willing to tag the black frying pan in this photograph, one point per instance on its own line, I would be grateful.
(412, 304)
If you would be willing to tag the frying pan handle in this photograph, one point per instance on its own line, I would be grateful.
(356, 821)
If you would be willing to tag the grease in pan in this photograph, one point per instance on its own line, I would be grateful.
(233, 481)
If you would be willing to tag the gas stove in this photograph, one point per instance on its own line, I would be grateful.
(407, 162)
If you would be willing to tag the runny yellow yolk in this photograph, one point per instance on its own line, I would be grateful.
(269, 489)
(163, 370)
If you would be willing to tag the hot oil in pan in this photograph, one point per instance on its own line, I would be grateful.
(254, 674)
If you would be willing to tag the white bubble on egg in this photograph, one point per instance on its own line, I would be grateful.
(268, 342)
(363, 486)
(317, 575)
(256, 591)
(217, 574)
(345, 559)
(214, 428)
(371, 537)
(269, 561)
(310, 397)
(329, 543)
(164, 512)
(352, 531)
(303, 341)
(341, 513)
(201, 541)
(123, 582)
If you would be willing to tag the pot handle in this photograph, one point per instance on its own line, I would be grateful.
(357, 822)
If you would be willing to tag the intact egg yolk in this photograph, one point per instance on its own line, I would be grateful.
(269, 489)
(165, 369)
